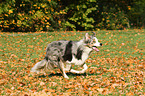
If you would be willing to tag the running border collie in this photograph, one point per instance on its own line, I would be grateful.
(63, 54)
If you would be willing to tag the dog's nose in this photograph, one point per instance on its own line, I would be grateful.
(101, 44)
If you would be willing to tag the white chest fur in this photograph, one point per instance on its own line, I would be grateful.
(81, 61)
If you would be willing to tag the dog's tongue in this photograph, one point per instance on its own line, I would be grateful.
(95, 48)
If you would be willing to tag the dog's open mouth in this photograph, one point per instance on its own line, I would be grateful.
(95, 48)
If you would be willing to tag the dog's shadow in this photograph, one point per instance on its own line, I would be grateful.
(69, 74)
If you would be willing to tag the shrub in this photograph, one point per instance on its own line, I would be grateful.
(30, 15)
(78, 14)
(83, 15)
(113, 19)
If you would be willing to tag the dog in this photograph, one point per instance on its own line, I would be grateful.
(64, 54)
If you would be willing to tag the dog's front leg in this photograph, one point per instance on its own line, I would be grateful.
(85, 67)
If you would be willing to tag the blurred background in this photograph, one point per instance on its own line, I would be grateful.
(71, 15)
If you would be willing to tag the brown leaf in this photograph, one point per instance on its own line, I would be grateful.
(2, 82)
(22, 84)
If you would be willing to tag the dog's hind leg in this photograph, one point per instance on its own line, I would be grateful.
(38, 66)
(58, 62)
(62, 69)
(85, 67)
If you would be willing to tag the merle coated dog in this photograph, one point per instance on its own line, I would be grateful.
(64, 54)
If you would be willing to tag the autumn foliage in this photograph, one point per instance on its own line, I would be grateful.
(117, 69)
(54, 15)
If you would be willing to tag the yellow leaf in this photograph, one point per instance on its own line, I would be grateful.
(100, 90)
(10, 11)
(130, 94)
(47, 26)
(42, 83)
(59, 21)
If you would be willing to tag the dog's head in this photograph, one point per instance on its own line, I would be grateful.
(91, 41)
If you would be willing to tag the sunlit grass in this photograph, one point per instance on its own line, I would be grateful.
(118, 68)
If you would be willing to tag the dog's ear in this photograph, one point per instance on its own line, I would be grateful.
(93, 34)
(87, 36)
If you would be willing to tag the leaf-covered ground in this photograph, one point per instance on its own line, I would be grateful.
(117, 69)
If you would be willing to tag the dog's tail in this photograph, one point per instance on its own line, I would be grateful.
(40, 65)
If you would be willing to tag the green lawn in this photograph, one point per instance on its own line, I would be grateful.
(117, 69)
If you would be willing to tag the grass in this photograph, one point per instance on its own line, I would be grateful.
(117, 69)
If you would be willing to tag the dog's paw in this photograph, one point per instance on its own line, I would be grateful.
(81, 72)
(66, 77)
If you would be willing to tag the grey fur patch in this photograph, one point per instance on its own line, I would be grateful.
(59, 43)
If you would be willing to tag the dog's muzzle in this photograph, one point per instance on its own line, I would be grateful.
(95, 47)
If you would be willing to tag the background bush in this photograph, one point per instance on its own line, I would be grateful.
(30, 15)
(56, 15)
